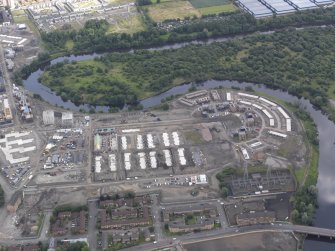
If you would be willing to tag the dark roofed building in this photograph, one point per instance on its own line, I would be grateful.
(15, 248)
(31, 247)
(14, 202)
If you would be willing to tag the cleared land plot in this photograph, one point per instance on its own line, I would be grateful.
(130, 25)
(217, 9)
(172, 10)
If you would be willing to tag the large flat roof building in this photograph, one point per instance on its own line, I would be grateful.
(67, 118)
(48, 117)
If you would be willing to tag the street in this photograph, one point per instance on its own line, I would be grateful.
(92, 221)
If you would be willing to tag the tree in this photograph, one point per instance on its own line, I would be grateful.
(2, 197)
(143, 2)
(129, 195)
(224, 192)
(295, 215)
(305, 219)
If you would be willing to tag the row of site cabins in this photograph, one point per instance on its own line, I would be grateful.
(140, 141)
(11, 40)
(7, 116)
(258, 143)
(142, 160)
(266, 112)
(199, 99)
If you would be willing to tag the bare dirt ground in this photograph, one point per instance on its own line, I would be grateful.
(249, 242)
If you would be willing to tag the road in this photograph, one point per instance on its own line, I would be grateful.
(155, 211)
(46, 224)
(47, 186)
(230, 231)
(92, 221)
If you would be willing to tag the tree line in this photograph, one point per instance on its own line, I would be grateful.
(93, 38)
(2, 197)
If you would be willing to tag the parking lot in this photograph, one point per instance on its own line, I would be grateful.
(15, 173)
(65, 149)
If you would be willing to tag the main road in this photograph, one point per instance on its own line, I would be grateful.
(233, 231)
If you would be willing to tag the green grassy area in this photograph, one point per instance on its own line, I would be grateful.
(208, 3)
(130, 25)
(69, 45)
(22, 18)
(119, 245)
(92, 82)
(218, 9)
(194, 137)
(17, 12)
(190, 220)
(171, 10)
(40, 223)
(118, 2)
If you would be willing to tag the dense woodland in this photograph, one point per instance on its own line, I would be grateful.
(93, 37)
(299, 61)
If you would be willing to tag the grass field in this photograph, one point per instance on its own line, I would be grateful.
(194, 137)
(17, 12)
(76, 78)
(130, 25)
(172, 10)
(207, 7)
(218, 9)
(208, 3)
(69, 45)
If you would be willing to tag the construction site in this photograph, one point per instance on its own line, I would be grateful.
(167, 156)
(154, 151)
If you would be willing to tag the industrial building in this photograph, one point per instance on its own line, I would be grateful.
(7, 111)
(265, 8)
(67, 118)
(48, 117)
(8, 3)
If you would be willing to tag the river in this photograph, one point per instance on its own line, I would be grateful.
(326, 185)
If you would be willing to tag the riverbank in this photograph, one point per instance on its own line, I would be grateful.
(309, 175)
(306, 178)
(274, 59)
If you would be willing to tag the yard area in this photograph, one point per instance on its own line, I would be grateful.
(22, 18)
(208, 3)
(206, 7)
(172, 10)
(218, 9)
